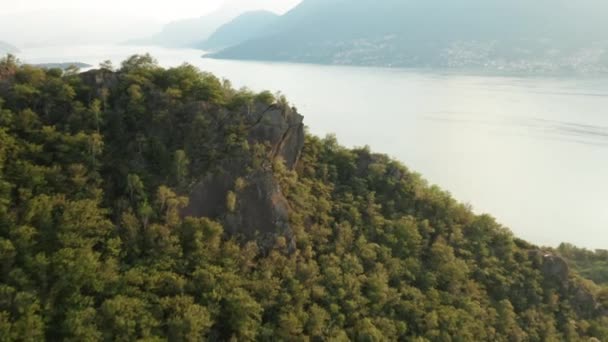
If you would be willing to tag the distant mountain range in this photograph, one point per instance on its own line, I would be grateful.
(63, 65)
(501, 35)
(247, 26)
(189, 32)
(7, 48)
(194, 32)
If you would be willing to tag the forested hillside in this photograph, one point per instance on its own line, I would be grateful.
(160, 204)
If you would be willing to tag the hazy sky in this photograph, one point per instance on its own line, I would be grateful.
(162, 11)
(34, 23)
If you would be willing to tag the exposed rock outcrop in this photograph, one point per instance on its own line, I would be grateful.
(260, 207)
(282, 128)
(558, 275)
(556, 268)
(99, 81)
(584, 302)
(252, 203)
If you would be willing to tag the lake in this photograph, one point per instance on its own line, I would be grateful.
(532, 152)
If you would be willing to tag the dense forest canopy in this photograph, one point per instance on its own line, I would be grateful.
(99, 170)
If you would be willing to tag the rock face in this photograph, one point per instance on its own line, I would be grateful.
(585, 303)
(283, 129)
(556, 268)
(99, 81)
(556, 271)
(261, 207)
(256, 205)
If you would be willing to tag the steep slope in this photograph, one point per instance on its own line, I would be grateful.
(496, 35)
(153, 204)
(245, 27)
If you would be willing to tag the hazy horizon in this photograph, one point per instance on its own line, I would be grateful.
(161, 12)
(34, 23)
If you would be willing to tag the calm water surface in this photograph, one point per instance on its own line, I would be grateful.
(533, 152)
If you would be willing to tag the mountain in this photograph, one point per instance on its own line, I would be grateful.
(63, 65)
(544, 35)
(7, 48)
(190, 32)
(161, 204)
(245, 27)
(195, 31)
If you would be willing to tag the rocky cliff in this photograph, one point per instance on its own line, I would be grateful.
(239, 189)
(251, 203)
(557, 274)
